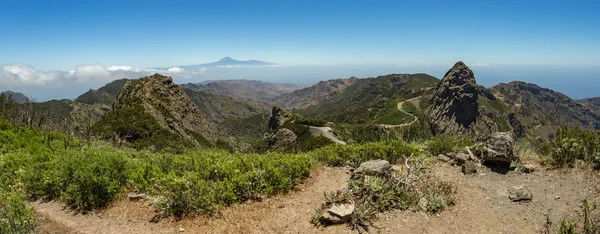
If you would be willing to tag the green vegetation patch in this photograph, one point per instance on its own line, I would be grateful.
(573, 143)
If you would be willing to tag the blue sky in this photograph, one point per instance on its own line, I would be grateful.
(62, 35)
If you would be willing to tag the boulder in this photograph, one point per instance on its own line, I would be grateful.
(520, 193)
(499, 147)
(376, 167)
(469, 167)
(337, 213)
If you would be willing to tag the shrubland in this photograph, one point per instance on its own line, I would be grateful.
(37, 164)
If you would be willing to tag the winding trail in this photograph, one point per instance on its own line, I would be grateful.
(415, 101)
(325, 131)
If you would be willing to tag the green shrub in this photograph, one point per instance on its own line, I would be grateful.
(355, 154)
(443, 144)
(15, 215)
(572, 144)
(90, 179)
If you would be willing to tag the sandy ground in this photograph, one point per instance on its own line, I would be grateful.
(482, 206)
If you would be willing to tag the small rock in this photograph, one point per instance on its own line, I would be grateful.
(396, 168)
(469, 168)
(461, 158)
(423, 204)
(528, 169)
(557, 197)
(181, 229)
(443, 158)
(339, 213)
(520, 193)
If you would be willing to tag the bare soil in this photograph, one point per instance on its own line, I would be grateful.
(482, 206)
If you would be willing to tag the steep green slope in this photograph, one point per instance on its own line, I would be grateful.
(217, 108)
(372, 99)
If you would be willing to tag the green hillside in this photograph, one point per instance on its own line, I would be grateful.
(372, 99)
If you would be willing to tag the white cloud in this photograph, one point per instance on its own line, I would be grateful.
(90, 72)
(27, 75)
(20, 75)
(175, 70)
(123, 68)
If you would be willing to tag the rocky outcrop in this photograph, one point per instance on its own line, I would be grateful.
(169, 105)
(281, 139)
(454, 107)
(278, 117)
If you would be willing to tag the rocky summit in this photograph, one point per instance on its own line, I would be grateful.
(454, 103)
(169, 105)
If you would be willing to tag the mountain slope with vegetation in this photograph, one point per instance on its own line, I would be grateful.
(104, 95)
(217, 108)
(251, 90)
(371, 99)
(154, 109)
(321, 91)
(541, 111)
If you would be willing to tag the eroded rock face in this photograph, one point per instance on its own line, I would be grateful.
(454, 106)
(499, 147)
(278, 117)
(282, 138)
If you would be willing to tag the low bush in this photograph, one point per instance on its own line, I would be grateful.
(355, 154)
(571, 144)
(443, 144)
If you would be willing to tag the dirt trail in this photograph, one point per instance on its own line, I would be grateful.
(482, 206)
(412, 100)
(288, 213)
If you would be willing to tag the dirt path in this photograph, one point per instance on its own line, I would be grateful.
(482, 206)
(326, 131)
(412, 100)
(288, 213)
